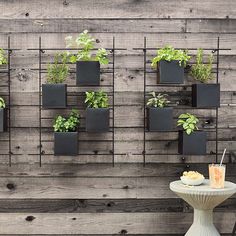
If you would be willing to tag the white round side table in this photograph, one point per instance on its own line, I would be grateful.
(203, 199)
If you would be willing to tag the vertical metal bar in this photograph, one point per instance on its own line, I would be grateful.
(9, 98)
(217, 81)
(144, 101)
(113, 103)
(40, 124)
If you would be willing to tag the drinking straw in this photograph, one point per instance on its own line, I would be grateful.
(222, 158)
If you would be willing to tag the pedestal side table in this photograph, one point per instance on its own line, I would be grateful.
(203, 199)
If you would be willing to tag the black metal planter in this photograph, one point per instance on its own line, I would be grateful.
(170, 72)
(97, 119)
(3, 119)
(54, 95)
(65, 143)
(159, 119)
(87, 73)
(206, 95)
(193, 144)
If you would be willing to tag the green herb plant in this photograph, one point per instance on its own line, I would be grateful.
(2, 103)
(202, 72)
(96, 99)
(188, 122)
(86, 43)
(58, 72)
(3, 58)
(70, 124)
(168, 53)
(159, 100)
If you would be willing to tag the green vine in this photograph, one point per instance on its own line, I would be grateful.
(61, 124)
(3, 58)
(96, 99)
(168, 53)
(202, 72)
(59, 71)
(86, 43)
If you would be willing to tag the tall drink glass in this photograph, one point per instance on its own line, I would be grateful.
(217, 175)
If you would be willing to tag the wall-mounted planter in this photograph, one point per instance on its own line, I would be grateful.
(206, 95)
(3, 119)
(97, 119)
(193, 144)
(54, 96)
(170, 72)
(87, 73)
(159, 119)
(65, 143)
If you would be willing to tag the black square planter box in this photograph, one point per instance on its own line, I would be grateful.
(206, 95)
(65, 143)
(97, 119)
(193, 144)
(170, 72)
(54, 96)
(159, 119)
(3, 119)
(87, 73)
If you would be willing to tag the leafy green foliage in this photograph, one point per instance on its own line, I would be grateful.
(2, 103)
(58, 72)
(202, 72)
(3, 58)
(86, 43)
(188, 122)
(70, 124)
(96, 99)
(168, 53)
(159, 100)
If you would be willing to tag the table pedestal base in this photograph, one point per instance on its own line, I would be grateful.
(202, 224)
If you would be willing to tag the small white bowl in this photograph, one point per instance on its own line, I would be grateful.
(192, 182)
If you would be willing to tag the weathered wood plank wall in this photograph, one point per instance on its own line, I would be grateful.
(85, 195)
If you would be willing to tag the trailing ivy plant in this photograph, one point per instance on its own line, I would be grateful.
(202, 72)
(58, 72)
(96, 99)
(3, 58)
(159, 100)
(2, 103)
(188, 122)
(168, 53)
(70, 124)
(86, 43)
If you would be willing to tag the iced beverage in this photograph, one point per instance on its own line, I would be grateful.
(217, 175)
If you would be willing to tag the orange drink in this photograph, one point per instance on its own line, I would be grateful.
(217, 175)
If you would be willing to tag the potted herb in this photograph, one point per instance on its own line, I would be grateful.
(87, 64)
(3, 57)
(159, 116)
(192, 141)
(170, 65)
(97, 112)
(204, 95)
(54, 91)
(3, 116)
(66, 134)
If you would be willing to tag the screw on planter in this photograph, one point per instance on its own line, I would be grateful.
(95, 152)
(97, 41)
(183, 159)
(30, 218)
(17, 147)
(27, 14)
(74, 218)
(11, 186)
(104, 195)
(110, 151)
(212, 152)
